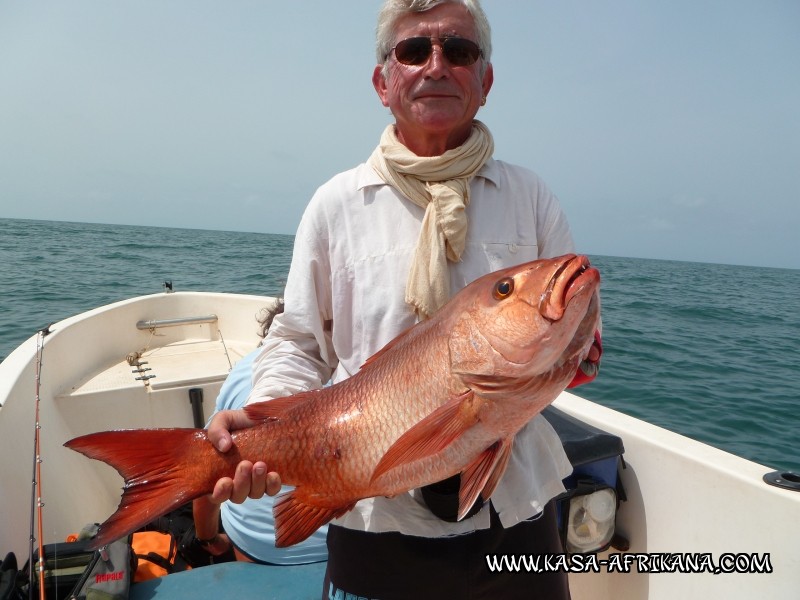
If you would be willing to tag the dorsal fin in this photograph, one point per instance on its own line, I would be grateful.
(277, 408)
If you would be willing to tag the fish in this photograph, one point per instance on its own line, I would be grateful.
(445, 397)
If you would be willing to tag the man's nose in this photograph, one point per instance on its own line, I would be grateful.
(437, 65)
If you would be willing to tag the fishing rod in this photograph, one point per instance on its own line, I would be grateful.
(36, 484)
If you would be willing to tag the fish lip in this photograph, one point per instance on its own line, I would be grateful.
(569, 280)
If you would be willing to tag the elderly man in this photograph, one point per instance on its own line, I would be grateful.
(384, 245)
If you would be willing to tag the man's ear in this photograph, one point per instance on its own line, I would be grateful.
(379, 83)
(488, 80)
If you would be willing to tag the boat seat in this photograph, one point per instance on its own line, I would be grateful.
(583, 443)
(593, 453)
(184, 363)
(155, 392)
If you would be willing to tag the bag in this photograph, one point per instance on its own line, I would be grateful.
(64, 564)
(108, 575)
(156, 555)
(165, 545)
(168, 545)
(10, 582)
(73, 572)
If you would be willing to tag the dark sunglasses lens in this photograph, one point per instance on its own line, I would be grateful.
(413, 51)
(460, 52)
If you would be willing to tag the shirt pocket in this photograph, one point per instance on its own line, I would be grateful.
(501, 255)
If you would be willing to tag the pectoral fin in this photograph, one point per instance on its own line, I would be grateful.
(482, 475)
(431, 435)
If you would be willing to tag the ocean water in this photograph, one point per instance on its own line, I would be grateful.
(709, 351)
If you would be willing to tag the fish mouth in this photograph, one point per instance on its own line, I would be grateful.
(570, 279)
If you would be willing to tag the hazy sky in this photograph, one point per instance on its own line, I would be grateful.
(668, 129)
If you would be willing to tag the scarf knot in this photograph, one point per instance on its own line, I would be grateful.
(440, 185)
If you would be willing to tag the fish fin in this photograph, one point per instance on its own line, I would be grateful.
(277, 408)
(153, 463)
(482, 475)
(431, 435)
(499, 468)
(295, 519)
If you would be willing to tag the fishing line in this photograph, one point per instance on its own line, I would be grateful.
(225, 348)
(36, 484)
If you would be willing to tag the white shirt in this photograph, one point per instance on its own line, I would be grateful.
(344, 300)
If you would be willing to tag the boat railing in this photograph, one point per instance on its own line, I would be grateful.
(156, 323)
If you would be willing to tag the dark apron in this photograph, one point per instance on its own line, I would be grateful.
(385, 566)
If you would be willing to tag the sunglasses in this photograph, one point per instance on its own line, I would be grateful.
(459, 52)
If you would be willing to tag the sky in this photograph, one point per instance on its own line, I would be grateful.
(668, 130)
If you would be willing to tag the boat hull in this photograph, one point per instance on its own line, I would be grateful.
(689, 499)
(87, 385)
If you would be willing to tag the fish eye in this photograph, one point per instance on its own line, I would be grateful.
(503, 288)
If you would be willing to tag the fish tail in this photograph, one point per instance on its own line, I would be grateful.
(160, 471)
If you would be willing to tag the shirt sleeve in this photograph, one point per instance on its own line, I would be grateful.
(553, 232)
(298, 354)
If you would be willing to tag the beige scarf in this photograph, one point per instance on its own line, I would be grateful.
(440, 185)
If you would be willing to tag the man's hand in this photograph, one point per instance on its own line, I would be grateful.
(590, 365)
(251, 480)
(218, 545)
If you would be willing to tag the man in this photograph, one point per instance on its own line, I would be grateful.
(384, 245)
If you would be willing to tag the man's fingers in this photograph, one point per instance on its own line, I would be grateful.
(253, 481)
(242, 482)
(258, 483)
(222, 490)
(225, 421)
(273, 483)
(249, 481)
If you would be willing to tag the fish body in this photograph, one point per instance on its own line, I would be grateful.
(445, 397)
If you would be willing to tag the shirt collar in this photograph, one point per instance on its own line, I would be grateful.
(368, 177)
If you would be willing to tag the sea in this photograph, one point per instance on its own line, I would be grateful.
(710, 351)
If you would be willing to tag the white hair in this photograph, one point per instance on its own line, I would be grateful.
(393, 10)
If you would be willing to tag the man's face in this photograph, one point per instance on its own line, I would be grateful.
(433, 103)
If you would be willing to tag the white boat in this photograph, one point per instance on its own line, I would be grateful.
(688, 507)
